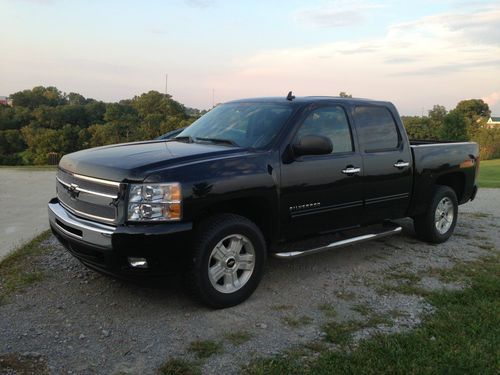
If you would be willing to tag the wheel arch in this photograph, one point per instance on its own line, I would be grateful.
(454, 180)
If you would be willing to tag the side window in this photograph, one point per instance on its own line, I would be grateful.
(376, 128)
(330, 122)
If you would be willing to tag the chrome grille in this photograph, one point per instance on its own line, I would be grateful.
(88, 197)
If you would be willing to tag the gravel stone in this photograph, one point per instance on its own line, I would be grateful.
(81, 322)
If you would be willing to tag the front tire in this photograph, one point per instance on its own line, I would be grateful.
(437, 224)
(227, 262)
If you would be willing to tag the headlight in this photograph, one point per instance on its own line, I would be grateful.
(154, 202)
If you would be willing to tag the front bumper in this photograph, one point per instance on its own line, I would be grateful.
(106, 248)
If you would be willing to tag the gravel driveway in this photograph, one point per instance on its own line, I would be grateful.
(76, 321)
(19, 223)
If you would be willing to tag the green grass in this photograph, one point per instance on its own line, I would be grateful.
(238, 337)
(328, 309)
(177, 366)
(296, 322)
(462, 336)
(18, 270)
(489, 174)
(205, 348)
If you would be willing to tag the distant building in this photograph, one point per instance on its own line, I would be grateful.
(5, 100)
(493, 122)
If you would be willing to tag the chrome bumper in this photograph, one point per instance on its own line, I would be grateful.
(83, 230)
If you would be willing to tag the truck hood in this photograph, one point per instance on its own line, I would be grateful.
(135, 161)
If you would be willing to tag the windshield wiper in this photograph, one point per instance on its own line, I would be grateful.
(184, 138)
(218, 140)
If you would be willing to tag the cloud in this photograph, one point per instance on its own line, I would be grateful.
(416, 64)
(339, 14)
(492, 99)
(453, 67)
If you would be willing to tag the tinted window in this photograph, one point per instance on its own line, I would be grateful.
(253, 125)
(376, 127)
(330, 122)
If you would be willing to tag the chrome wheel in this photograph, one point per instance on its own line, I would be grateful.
(443, 217)
(231, 263)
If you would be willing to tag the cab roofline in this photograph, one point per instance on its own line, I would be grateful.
(307, 100)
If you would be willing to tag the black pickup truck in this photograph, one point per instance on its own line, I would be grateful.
(280, 176)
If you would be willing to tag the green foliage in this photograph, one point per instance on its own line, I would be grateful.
(476, 113)
(454, 127)
(419, 127)
(489, 142)
(44, 120)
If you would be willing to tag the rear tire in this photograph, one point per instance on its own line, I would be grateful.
(227, 261)
(437, 224)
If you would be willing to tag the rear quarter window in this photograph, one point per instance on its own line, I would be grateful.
(376, 128)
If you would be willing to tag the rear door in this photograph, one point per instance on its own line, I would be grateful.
(387, 164)
(323, 192)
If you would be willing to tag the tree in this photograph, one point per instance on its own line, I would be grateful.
(343, 94)
(436, 120)
(49, 96)
(477, 113)
(454, 127)
(418, 127)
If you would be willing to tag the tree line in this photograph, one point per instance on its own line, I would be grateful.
(466, 122)
(44, 120)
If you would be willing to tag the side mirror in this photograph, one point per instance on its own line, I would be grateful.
(312, 145)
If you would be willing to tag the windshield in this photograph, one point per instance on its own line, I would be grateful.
(253, 125)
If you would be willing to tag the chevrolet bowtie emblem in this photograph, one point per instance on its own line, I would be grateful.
(73, 190)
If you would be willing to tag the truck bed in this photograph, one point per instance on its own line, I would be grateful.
(432, 159)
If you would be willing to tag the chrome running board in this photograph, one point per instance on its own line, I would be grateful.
(350, 241)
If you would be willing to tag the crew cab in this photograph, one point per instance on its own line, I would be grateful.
(285, 177)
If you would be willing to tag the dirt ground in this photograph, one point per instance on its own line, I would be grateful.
(77, 321)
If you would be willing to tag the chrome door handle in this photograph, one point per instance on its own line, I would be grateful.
(401, 164)
(351, 170)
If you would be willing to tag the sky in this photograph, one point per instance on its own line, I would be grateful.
(413, 53)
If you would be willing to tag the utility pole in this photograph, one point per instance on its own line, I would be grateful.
(166, 84)
(213, 98)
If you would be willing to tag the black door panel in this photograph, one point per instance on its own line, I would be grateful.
(322, 193)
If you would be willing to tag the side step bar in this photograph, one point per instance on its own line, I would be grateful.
(350, 241)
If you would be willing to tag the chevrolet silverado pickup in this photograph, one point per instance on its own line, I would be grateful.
(285, 177)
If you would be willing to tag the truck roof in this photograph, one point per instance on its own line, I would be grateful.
(310, 99)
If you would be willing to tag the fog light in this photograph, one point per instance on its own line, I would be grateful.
(137, 262)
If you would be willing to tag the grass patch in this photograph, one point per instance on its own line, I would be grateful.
(403, 289)
(205, 348)
(282, 307)
(177, 366)
(489, 174)
(296, 322)
(364, 310)
(18, 270)
(238, 337)
(328, 309)
(460, 337)
(478, 215)
(346, 296)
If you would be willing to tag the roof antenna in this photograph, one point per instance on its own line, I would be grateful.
(290, 96)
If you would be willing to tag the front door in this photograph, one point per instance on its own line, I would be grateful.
(323, 192)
